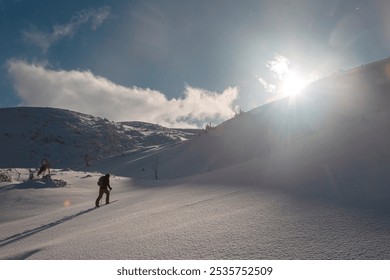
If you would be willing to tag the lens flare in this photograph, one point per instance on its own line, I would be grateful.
(67, 203)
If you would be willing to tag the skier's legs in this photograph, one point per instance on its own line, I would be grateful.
(101, 192)
(106, 191)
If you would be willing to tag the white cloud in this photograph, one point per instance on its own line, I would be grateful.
(277, 69)
(45, 39)
(279, 66)
(85, 92)
(267, 86)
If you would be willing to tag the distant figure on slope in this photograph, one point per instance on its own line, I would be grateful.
(104, 183)
(45, 166)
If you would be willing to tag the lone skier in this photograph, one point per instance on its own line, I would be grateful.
(104, 183)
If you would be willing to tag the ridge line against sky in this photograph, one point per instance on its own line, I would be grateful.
(179, 63)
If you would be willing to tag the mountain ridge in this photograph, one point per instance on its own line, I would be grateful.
(70, 139)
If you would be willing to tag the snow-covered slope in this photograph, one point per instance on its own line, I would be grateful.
(71, 139)
(306, 177)
(181, 219)
(331, 140)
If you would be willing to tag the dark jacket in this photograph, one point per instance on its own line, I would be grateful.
(106, 183)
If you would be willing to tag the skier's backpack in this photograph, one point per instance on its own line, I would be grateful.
(100, 181)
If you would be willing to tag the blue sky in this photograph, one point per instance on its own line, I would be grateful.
(178, 63)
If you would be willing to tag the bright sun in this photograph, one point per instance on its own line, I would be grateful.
(289, 80)
(293, 83)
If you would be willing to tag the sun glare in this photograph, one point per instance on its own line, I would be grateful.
(293, 84)
(289, 80)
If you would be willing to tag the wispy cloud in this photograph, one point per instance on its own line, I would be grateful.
(45, 39)
(271, 88)
(279, 66)
(82, 91)
(276, 70)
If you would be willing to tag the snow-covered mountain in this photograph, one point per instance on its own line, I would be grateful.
(72, 139)
(330, 140)
(305, 177)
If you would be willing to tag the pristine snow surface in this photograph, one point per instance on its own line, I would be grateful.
(306, 177)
